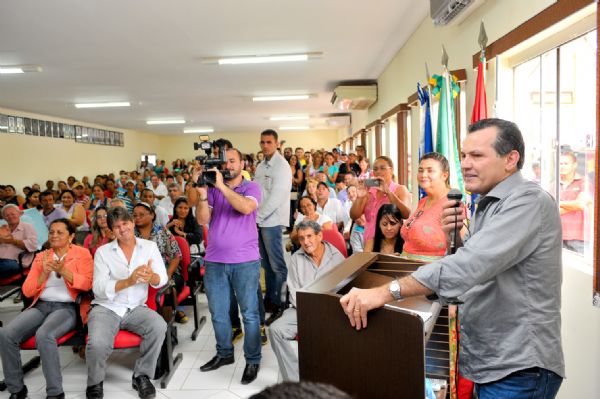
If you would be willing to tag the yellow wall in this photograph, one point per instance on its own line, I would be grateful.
(29, 159)
(173, 147)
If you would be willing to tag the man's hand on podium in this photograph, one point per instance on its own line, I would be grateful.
(358, 302)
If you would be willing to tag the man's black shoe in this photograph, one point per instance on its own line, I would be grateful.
(59, 396)
(250, 373)
(95, 391)
(277, 313)
(217, 362)
(22, 394)
(142, 384)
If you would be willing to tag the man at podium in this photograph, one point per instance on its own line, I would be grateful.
(507, 272)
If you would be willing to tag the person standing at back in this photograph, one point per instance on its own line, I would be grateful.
(275, 178)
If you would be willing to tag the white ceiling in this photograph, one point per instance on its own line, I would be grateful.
(148, 52)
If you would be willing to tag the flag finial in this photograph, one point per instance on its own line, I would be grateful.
(444, 57)
(427, 72)
(483, 39)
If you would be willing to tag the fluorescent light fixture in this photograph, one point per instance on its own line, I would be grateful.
(264, 59)
(290, 118)
(166, 122)
(11, 69)
(294, 128)
(281, 98)
(199, 130)
(103, 105)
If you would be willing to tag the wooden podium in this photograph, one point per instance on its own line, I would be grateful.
(389, 358)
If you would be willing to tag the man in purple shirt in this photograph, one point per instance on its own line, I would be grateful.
(232, 261)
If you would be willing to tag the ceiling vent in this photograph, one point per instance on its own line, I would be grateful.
(354, 97)
(444, 12)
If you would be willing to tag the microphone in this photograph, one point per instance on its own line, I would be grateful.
(454, 195)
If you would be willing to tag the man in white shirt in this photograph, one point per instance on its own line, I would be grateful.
(123, 270)
(158, 187)
(162, 218)
(331, 207)
(168, 203)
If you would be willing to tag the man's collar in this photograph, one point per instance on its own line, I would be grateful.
(506, 186)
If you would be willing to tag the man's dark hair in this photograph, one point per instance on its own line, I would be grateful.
(270, 132)
(301, 390)
(340, 179)
(223, 143)
(46, 194)
(118, 214)
(322, 184)
(147, 189)
(509, 137)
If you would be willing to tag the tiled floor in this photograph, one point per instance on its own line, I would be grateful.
(187, 382)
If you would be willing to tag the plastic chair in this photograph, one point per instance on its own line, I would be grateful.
(335, 238)
(190, 292)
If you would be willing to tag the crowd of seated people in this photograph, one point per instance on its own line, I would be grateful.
(161, 200)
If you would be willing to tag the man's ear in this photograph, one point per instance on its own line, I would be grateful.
(512, 159)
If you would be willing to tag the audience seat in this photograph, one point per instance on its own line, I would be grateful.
(190, 290)
(335, 238)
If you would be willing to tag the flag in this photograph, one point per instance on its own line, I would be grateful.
(426, 142)
(445, 142)
(479, 111)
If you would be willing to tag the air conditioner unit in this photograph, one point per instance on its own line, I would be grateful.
(445, 11)
(347, 97)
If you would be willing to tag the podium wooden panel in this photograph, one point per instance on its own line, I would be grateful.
(385, 360)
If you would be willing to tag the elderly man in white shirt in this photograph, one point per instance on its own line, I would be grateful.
(168, 202)
(158, 188)
(123, 270)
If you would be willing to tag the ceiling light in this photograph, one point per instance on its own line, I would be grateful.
(256, 59)
(290, 118)
(199, 130)
(281, 98)
(10, 69)
(103, 105)
(166, 122)
(262, 59)
(294, 128)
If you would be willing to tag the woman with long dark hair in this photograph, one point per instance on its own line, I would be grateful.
(184, 223)
(387, 239)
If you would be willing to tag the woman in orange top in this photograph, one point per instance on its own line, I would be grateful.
(57, 276)
(422, 232)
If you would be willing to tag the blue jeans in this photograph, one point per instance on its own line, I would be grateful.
(271, 251)
(8, 267)
(533, 383)
(219, 278)
(234, 313)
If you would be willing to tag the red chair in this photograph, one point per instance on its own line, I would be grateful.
(12, 284)
(190, 291)
(335, 238)
(71, 338)
(127, 339)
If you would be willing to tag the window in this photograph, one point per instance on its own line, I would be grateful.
(151, 158)
(554, 104)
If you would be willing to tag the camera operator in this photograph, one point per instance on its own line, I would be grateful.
(232, 260)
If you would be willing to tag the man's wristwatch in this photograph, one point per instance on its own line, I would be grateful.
(394, 289)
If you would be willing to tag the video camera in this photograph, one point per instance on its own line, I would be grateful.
(211, 160)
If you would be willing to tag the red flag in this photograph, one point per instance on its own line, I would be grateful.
(480, 105)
